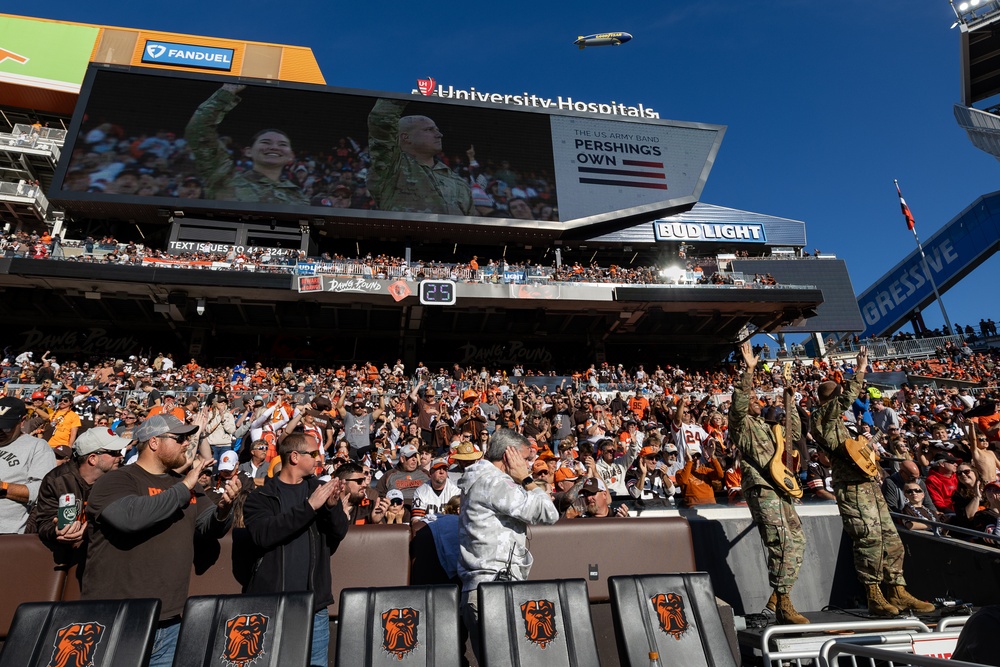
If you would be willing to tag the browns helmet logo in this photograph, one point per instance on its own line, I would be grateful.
(76, 644)
(670, 610)
(244, 639)
(399, 631)
(539, 621)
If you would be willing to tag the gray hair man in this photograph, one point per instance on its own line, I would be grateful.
(500, 501)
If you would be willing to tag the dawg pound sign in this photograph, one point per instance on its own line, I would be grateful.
(75, 645)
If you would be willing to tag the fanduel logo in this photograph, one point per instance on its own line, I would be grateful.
(188, 55)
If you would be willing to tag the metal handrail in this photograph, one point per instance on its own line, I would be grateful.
(951, 528)
(860, 628)
(950, 621)
(833, 649)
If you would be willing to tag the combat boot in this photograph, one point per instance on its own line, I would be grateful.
(877, 604)
(899, 597)
(772, 602)
(785, 613)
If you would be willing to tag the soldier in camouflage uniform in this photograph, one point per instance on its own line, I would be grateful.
(878, 551)
(270, 150)
(772, 510)
(405, 174)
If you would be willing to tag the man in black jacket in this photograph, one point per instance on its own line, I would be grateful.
(296, 523)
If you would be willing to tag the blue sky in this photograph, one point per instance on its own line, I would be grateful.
(825, 103)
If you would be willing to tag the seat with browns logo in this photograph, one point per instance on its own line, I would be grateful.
(536, 624)
(673, 614)
(109, 633)
(418, 624)
(246, 631)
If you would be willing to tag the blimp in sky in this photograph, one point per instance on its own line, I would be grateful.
(603, 39)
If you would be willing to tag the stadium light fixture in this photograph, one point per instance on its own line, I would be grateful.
(200, 306)
(973, 14)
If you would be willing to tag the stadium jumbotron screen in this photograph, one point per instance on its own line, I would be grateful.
(175, 140)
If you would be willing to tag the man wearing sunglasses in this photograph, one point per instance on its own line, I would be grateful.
(296, 524)
(97, 452)
(144, 518)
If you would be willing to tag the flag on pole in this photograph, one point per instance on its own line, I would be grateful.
(906, 209)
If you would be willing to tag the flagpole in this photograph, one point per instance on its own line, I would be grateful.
(923, 260)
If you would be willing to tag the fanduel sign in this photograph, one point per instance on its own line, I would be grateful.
(429, 87)
(187, 55)
(709, 231)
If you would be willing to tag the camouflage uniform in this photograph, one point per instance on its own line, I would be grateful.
(398, 182)
(215, 165)
(878, 551)
(772, 510)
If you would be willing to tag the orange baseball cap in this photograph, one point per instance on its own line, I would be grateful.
(566, 474)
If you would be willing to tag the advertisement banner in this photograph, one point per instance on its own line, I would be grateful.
(338, 285)
(604, 165)
(664, 230)
(187, 55)
(311, 151)
(27, 56)
(951, 252)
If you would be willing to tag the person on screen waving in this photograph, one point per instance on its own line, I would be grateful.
(270, 150)
(405, 174)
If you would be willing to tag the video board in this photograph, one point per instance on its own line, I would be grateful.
(201, 141)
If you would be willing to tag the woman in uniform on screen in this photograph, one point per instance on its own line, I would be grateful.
(270, 151)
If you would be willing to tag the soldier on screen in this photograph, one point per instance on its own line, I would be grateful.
(405, 174)
(270, 150)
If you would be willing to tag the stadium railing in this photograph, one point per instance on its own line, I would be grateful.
(50, 134)
(25, 190)
(784, 644)
(885, 348)
(902, 651)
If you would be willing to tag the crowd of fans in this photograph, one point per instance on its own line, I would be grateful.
(108, 251)
(657, 436)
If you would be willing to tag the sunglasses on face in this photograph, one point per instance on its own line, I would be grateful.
(180, 439)
(356, 480)
(262, 448)
(314, 453)
(396, 501)
(912, 491)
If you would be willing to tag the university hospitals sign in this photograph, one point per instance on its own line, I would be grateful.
(430, 86)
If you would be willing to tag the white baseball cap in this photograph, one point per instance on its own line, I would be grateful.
(228, 461)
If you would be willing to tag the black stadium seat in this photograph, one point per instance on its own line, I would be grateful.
(536, 624)
(110, 633)
(258, 630)
(380, 626)
(673, 614)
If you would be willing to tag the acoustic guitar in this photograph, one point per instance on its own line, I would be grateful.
(862, 451)
(785, 462)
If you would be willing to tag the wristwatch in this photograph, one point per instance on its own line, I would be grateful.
(527, 481)
(3, 489)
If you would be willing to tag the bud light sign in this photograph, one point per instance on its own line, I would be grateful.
(187, 55)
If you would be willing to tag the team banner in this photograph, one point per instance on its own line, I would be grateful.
(174, 140)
